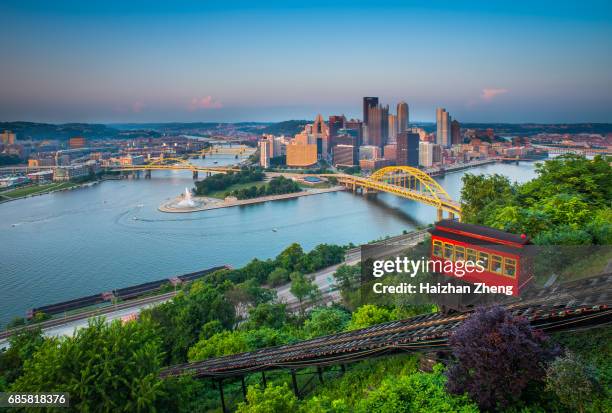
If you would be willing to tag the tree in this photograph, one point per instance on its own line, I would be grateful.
(272, 399)
(369, 315)
(482, 194)
(290, 257)
(572, 380)
(278, 277)
(302, 288)
(496, 357)
(104, 367)
(417, 392)
(266, 315)
(220, 344)
(324, 321)
(23, 346)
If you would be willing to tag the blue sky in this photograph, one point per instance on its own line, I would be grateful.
(143, 61)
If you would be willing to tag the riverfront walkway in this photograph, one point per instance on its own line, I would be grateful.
(213, 203)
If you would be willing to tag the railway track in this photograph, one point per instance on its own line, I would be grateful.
(572, 305)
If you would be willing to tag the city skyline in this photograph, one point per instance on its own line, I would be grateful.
(111, 62)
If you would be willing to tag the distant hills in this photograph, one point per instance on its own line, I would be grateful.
(39, 131)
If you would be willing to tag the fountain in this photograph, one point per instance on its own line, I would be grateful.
(187, 201)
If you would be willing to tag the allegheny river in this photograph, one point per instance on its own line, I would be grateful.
(74, 243)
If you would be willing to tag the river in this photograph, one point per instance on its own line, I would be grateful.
(69, 244)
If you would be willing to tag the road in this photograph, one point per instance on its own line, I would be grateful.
(324, 279)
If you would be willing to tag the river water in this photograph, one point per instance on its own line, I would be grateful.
(69, 244)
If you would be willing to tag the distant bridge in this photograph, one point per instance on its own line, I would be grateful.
(406, 182)
(175, 164)
(562, 150)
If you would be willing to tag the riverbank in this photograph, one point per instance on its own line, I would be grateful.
(207, 203)
(45, 189)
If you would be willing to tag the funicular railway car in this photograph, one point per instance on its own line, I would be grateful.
(502, 259)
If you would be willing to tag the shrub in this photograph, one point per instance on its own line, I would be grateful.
(496, 357)
(369, 315)
(572, 380)
(324, 321)
(272, 399)
(417, 392)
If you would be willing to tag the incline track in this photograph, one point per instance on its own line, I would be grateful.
(572, 305)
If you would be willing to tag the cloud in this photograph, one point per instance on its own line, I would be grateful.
(488, 94)
(137, 107)
(206, 102)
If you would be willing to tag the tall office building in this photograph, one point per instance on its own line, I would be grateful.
(402, 117)
(456, 133)
(334, 125)
(321, 134)
(378, 125)
(443, 120)
(407, 151)
(429, 153)
(392, 129)
(368, 102)
(357, 126)
(264, 153)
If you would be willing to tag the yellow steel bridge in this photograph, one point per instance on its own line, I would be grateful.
(175, 164)
(406, 182)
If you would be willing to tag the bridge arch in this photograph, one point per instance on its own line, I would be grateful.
(410, 183)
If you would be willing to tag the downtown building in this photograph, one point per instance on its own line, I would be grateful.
(345, 155)
(378, 125)
(402, 117)
(392, 138)
(407, 151)
(443, 128)
(429, 154)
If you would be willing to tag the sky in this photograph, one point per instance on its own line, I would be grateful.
(152, 61)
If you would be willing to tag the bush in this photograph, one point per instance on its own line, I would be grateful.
(278, 277)
(572, 380)
(496, 357)
(324, 321)
(369, 315)
(273, 399)
(417, 392)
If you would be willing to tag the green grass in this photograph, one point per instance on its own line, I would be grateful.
(592, 265)
(221, 194)
(35, 189)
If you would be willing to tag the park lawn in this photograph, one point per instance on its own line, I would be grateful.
(35, 189)
(221, 194)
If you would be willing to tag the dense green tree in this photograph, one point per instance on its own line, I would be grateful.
(303, 288)
(368, 315)
(482, 194)
(324, 321)
(220, 344)
(272, 399)
(290, 257)
(278, 277)
(22, 347)
(266, 315)
(572, 380)
(104, 368)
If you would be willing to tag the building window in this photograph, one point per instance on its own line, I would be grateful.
(459, 253)
(510, 267)
(437, 248)
(448, 251)
(471, 255)
(496, 264)
(483, 258)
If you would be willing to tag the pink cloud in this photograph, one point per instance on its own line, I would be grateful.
(137, 107)
(488, 94)
(206, 102)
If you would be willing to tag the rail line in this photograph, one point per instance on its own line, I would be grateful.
(580, 303)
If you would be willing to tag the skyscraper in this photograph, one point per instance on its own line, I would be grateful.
(334, 125)
(378, 125)
(402, 117)
(443, 127)
(407, 150)
(456, 133)
(321, 134)
(368, 102)
(392, 129)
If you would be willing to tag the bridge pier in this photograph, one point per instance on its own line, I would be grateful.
(440, 214)
(148, 174)
(195, 174)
